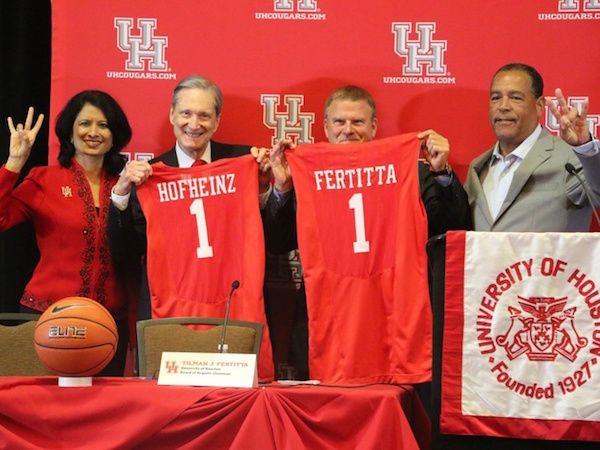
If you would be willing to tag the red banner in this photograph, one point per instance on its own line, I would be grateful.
(521, 336)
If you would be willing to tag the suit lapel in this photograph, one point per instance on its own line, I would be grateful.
(168, 158)
(477, 189)
(218, 151)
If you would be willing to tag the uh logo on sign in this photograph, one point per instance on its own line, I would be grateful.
(143, 48)
(424, 52)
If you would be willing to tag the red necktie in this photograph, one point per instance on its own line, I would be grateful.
(198, 162)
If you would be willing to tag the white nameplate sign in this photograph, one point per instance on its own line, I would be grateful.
(208, 369)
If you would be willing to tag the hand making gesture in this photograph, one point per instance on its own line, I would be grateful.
(22, 138)
(573, 124)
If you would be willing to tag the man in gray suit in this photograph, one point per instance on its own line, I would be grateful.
(521, 184)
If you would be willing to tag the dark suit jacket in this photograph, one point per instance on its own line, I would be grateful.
(127, 229)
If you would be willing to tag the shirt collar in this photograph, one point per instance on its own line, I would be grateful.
(522, 150)
(184, 160)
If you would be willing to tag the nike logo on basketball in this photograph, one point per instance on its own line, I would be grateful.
(58, 309)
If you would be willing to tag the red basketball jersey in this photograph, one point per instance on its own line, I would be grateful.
(362, 232)
(204, 231)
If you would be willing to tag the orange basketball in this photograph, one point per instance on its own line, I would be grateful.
(76, 337)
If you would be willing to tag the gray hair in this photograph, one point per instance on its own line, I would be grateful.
(199, 82)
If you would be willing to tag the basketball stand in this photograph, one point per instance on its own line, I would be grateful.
(74, 381)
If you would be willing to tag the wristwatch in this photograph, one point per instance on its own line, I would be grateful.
(446, 171)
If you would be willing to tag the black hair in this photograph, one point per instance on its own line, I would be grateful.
(118, 125)
(537, 83)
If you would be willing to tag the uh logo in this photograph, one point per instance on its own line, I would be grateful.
(143, 47)
(288, 5)
(171, 367)
(423, 54)
(574, 5)
(291, 122)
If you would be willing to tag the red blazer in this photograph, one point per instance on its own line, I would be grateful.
(75, 259)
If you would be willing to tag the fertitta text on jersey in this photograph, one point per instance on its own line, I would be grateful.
(355, 178)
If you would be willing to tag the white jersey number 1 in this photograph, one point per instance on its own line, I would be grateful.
(361, 245)
(204, 250)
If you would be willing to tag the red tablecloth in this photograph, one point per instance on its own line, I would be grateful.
(131, 413)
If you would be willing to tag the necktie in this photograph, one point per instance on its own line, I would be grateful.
(198, 162)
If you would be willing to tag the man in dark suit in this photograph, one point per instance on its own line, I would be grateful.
(195, 114)
(350, 116)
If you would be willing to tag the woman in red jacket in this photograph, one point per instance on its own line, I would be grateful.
(68, 205)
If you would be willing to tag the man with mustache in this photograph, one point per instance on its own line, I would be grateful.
(521, 184)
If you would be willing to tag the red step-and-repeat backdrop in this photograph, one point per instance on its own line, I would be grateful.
(427, 63)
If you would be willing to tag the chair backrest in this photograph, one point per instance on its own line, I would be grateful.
(17, 351)
(156, 336)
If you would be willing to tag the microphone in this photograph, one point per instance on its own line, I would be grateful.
(573, 171)
(222, 346)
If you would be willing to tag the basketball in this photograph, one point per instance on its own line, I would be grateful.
(76, 337)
